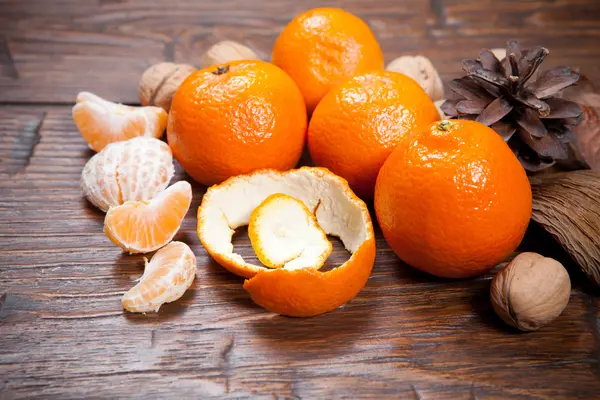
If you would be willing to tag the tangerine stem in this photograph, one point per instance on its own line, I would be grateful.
(221, 70)
(445, 125)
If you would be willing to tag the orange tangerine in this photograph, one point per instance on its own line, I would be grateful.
(145, 226)
(297, 292)
(167, 276)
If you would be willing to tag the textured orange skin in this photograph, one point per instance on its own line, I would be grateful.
(250, 117)
(359, 123)
(309, 292)
(453, 203)
(303, 292)
(323, 47)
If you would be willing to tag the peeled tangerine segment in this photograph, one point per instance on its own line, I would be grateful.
(145, 226)
(166, 278)
(137, 169)
(299, 292)
(102, 122)
(285, 233)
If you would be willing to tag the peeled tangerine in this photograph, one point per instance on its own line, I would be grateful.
(297, 291)
(145, 226)
(137, 169)
(102, 122)
(285, 233)
(166, 278)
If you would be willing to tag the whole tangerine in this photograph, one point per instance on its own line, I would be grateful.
(234, 118)
(453, 200)
(359, 123)
(323, 47)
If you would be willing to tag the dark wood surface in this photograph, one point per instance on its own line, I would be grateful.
(407, 335)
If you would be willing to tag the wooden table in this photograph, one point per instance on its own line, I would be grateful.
(407, 335)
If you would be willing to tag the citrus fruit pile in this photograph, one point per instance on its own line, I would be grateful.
(450, 196)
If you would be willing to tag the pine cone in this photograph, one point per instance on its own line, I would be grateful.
(519, 103)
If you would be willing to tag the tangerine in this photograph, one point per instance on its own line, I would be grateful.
(234, 118)
(359, 123)
(453, 200)
(323, 47)
(147, 225)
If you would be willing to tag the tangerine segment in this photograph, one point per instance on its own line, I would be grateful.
(99, 178)
(285, 233)
(145, 226)
(102, 122)
(298, 292)
(167, 276)
(133, 170)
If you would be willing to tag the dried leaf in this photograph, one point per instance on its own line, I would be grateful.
(469, 89)
(449, 108)
(528, 99)
(547, 146)
(534, 164)
(560, 108)
(530, 160)
(573, 121)
(495, 111)
(475, 69)
(504, 129)
(471, 106)
(470, 117)
(565, 135)
(489, 61)
(553, 81)
(529, 120)
(568, 206)
(513, 59)
(512, 47)
(531, 61)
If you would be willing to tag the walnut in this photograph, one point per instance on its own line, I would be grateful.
(421, 70)
(160, 82)
(226, 51)
(531, 291)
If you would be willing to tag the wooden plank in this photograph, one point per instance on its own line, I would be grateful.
(63, 332)
(52, 49)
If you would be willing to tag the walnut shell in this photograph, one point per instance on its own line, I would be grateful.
(531, 291)
(160, 82)
(226, 51)
(421, 70)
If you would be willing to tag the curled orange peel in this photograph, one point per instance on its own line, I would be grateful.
(294, 292)
(285, 233)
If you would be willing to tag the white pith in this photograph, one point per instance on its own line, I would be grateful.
(228, 206)
(284, 233)
(133, 170)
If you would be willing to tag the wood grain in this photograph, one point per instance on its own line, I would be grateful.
(63, 333)
(406, 334)
(51, 49)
